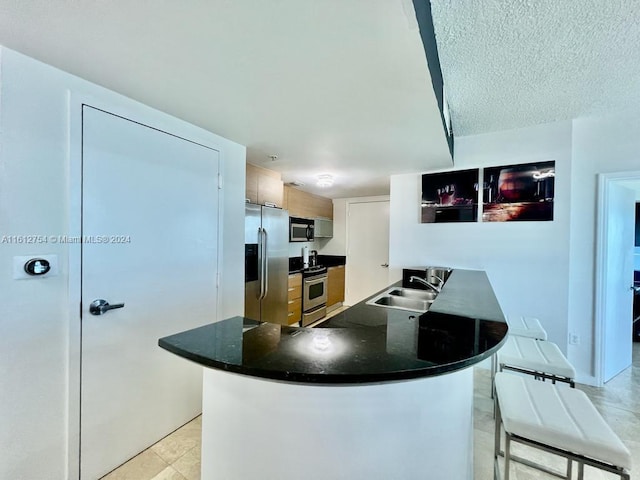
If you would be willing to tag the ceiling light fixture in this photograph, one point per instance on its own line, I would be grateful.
(324, 181)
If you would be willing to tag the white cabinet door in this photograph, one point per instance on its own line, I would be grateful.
(149, 218)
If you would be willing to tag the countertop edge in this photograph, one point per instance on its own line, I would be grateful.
(491, 312)
(333, 379)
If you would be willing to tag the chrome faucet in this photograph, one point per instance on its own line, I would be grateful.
(425, 283)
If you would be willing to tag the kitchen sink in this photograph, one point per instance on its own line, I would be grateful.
(402, 302)
(404, 299)
(413, 293)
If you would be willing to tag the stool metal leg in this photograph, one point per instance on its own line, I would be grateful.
(580, 471)
(496, 443)
(496, 440)
(507, 455)
(494, 369)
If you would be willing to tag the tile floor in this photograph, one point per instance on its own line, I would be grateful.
(177, 456)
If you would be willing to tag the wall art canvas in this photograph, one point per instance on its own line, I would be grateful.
(450, 196)
(519, 192)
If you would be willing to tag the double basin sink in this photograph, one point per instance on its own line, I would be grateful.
(414, 299)
(404, 299)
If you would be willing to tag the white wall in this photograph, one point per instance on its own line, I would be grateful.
(527, 262)
(38, 404)
(600, 145)
(544, 269)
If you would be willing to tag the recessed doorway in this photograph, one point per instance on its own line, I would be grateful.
(615, 266)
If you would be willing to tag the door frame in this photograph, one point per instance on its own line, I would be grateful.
(139, 113)
(605, 182)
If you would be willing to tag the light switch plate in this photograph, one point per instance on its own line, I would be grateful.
(20, 274)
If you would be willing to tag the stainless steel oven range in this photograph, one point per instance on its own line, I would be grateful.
(314, 294)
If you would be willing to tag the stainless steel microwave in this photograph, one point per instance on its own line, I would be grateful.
(300, 229)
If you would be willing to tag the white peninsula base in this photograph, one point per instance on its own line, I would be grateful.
(275, 430)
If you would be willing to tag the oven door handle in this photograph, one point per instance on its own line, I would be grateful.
(314, 280)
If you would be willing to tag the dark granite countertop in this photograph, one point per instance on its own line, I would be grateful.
(362, 344)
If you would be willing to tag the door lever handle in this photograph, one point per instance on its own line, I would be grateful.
(100, 307)
(385, 265)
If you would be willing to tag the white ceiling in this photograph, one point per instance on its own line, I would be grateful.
(513, 63)
(342, 86)
(330, 86)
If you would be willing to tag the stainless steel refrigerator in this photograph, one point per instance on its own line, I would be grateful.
(266, 238)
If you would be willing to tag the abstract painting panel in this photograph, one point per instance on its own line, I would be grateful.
(519, 192)
(450, 197)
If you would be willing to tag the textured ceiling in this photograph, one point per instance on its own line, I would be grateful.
(513, 63)
(332, 86)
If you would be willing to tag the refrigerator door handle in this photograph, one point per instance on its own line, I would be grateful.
(260, 264)
(265, 239)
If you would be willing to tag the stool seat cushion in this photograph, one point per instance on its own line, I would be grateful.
(526, 327)
(536, 355)
(559, 417)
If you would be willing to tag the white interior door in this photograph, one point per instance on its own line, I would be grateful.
(149, 221)
(367, 269)
(618, 279)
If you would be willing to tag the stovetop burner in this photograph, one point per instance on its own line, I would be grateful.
(315, 270)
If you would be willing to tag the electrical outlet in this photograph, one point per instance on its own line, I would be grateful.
(574, 339)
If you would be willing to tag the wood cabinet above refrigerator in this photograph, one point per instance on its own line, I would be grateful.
(264, 187)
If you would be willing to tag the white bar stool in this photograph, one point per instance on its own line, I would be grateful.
(526, 327)
(520, 326)
(561, 421)
(540, 358)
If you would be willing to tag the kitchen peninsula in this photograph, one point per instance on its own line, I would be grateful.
(373, 392)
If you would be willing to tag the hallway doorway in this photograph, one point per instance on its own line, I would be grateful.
(618, 193)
